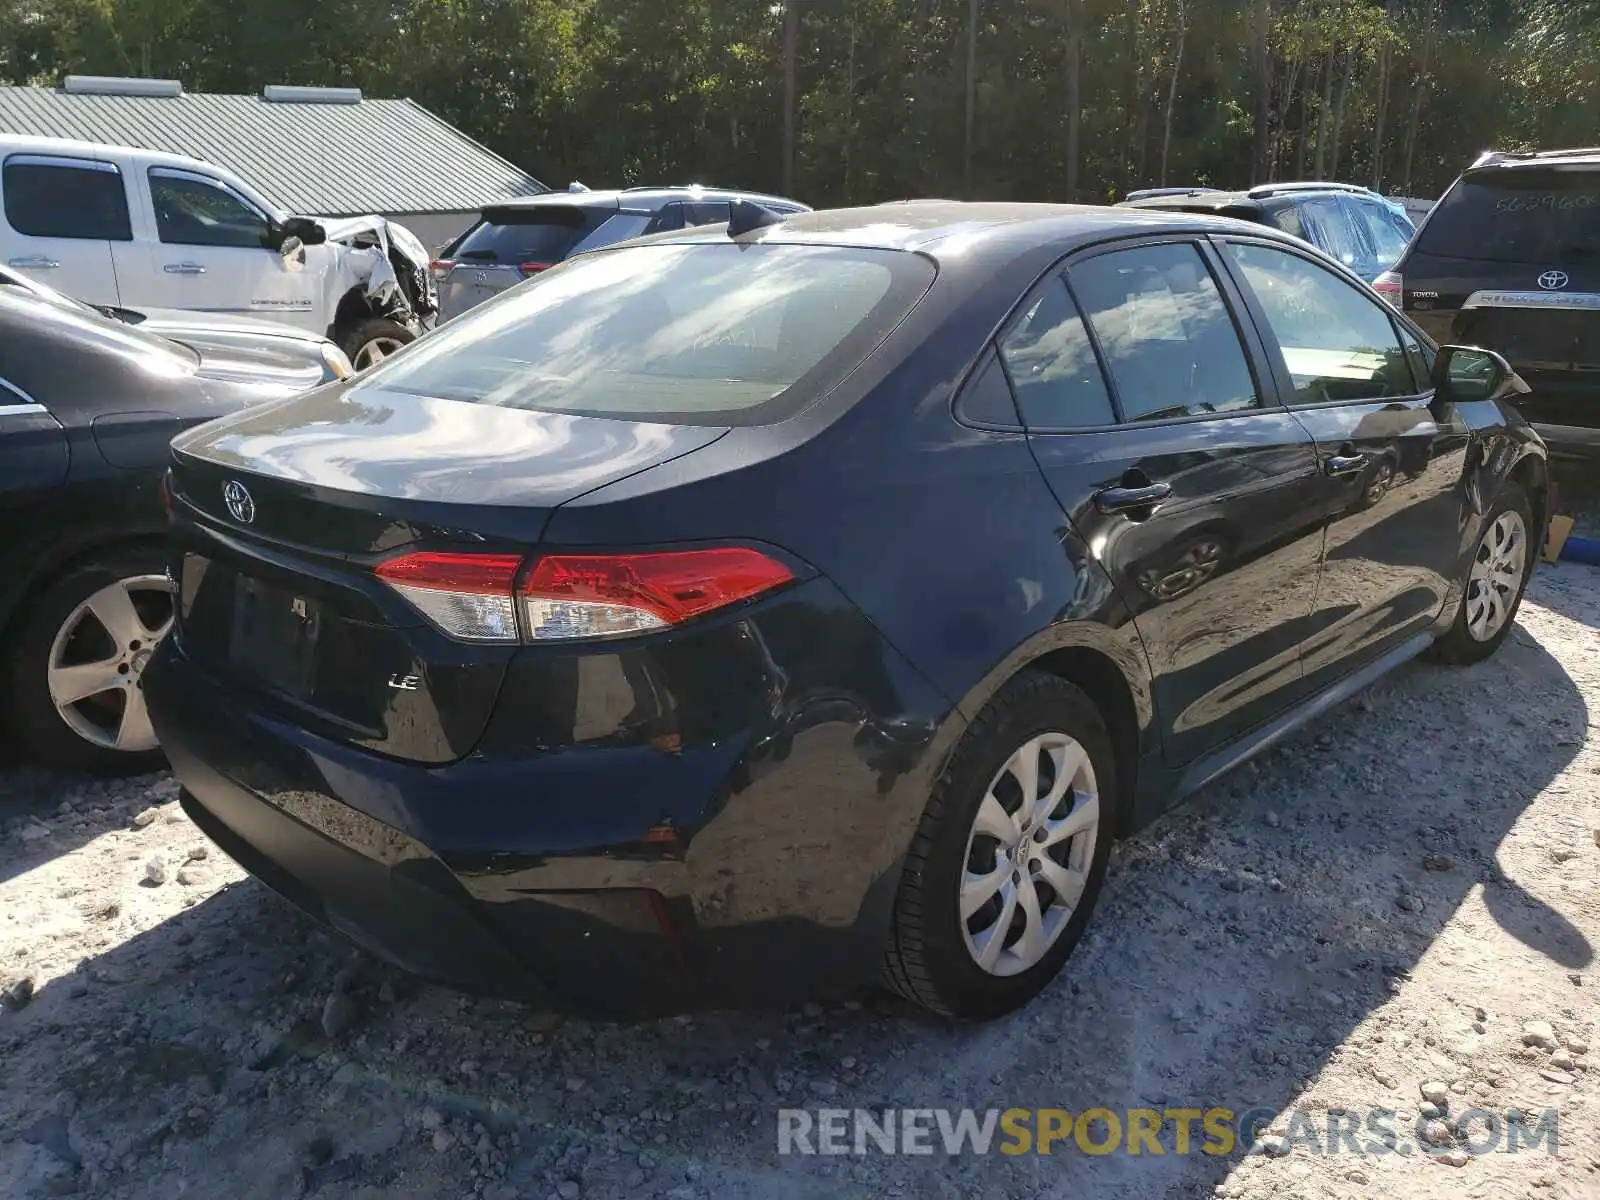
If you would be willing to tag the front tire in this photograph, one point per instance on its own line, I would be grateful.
(1502, 563)
(372, 339)
(1010, 855)
(74, 690)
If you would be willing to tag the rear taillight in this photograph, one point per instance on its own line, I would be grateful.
(441, 267)
(533, 268)
(468, 596)
(565, 597)
(1392, 287)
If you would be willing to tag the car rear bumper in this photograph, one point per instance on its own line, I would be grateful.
(537, 878)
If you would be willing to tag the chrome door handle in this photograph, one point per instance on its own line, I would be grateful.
(1125, 499)
(34, 264)
(1343, 464)
(187, 268)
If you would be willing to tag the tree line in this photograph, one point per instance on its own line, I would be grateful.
(841, 101)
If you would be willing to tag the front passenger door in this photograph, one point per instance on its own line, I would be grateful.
(1391, 462)
(1193, 488)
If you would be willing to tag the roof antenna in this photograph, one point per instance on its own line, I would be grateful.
(745, 217)
(575, 186)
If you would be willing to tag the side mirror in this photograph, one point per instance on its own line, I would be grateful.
(1462, 374)
(309, 232)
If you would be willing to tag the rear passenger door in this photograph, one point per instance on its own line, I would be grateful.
(1161, 437)
(62, 214)
(1391, 461)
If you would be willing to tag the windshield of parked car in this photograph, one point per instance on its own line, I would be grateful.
(1518, 214)
(705, 333)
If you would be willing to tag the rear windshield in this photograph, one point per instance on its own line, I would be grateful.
(709, 334)
(544, 235)
(1517, 215)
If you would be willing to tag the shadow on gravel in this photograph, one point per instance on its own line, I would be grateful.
(45, 814)
(1242, 939)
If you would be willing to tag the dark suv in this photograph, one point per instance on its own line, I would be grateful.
(516, 240)
(1352, 224)
(1510, 259)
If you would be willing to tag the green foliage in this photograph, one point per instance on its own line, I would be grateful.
(1401, 92)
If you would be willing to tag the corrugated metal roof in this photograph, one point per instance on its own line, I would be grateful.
(378, 156)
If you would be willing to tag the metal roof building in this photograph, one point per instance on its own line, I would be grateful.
(316, 151)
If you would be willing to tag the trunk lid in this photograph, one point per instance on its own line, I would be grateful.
(284, 510)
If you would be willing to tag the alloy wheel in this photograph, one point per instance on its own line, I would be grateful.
(97, 662)
(1496, 575)
(1029, 853)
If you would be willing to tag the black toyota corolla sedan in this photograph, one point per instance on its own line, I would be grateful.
(87, 407)
(734, 614)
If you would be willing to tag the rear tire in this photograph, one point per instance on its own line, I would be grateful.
(372, 339)
(91, 631)
(982, 847)
(1493, 590)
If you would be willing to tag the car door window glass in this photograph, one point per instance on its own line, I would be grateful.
(1421, 356)
(1337, 343)
(1052, 366)
(1170, 344)
(190, 212)
(59, 201)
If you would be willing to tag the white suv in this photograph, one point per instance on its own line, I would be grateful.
(138, 229)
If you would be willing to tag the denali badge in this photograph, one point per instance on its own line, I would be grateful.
(239, 503)
(405, 683)
(1552, 281)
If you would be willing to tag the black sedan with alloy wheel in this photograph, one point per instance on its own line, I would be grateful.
(88, 404)
(750, 611)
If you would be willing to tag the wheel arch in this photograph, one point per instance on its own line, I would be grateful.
(59, 558)
(353, 306)
(1109, 666)
(1532, 473)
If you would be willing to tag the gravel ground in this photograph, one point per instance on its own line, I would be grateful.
(1399, 903)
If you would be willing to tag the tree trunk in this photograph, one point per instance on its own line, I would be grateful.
(1428, 16)
(972, 94)
(1324, 115)
(1260, 167)
(1130, 112)
(1074, 96)
(850, 108)
(1338, 112)
(1382, 103)
(791, 51)
(1172, 90)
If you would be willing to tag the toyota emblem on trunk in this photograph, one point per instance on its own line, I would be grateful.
(1552, 281)
(237, 498)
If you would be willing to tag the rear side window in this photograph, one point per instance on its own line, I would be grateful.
(544, 235)
(681, 334)
(55, 199)
(1382, 228)
(1520, 215)
(1168, 339)
(1051, 362)
(1329, 228)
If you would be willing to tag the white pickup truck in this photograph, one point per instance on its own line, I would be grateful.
(136, 229)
